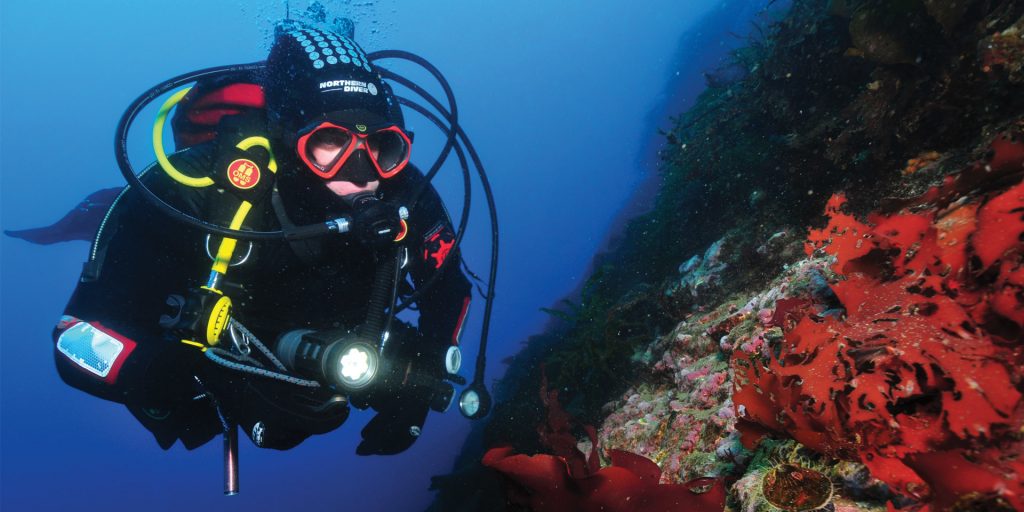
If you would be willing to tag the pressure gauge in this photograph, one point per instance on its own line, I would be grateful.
(475, 401)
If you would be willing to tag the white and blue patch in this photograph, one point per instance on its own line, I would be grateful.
(332, 59)
(90, 348)
(318, 64)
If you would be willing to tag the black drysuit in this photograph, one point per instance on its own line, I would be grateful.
(141, 256)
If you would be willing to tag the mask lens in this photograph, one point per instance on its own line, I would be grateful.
(326, 145)
(389, 148)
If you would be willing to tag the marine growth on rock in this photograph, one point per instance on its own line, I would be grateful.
(921, 378)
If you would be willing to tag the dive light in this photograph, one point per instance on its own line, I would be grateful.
(340, 357)
(345, 360)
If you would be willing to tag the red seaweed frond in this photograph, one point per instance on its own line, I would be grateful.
(922, 379)
(568, 481)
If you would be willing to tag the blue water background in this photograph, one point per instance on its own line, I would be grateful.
(562, 100)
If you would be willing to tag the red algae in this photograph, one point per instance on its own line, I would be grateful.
(921, 379)
(569, 480)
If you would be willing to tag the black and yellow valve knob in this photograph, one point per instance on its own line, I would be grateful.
(217, 318)
(204, 317)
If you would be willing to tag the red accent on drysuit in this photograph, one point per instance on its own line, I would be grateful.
(440, 251)
(462, 318)
(129, 346)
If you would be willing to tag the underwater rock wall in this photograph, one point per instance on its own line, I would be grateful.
(865, 359)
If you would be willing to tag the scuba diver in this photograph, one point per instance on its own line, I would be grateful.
(278, 335)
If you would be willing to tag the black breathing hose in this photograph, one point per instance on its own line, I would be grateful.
(412, 57)
(383, 284)
(463, 219)
(485, 184)
(488, 193)
(396, 278)
(121, 154)
(451, 114)
(452, 132)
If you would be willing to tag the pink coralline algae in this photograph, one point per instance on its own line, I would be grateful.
(677, 417)
(921, 380)
(569, 480)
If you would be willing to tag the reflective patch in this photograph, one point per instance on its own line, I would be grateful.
(457, 335)
(90, 348)
(257, 433)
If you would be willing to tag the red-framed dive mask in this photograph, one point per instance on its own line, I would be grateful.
(386, 146)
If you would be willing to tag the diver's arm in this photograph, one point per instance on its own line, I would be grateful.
(443, 309)
(444, 306)
(109, 342)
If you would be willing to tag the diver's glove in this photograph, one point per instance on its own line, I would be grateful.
(402, 409)
(374, 222)
(394, 429)
(414, 383)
